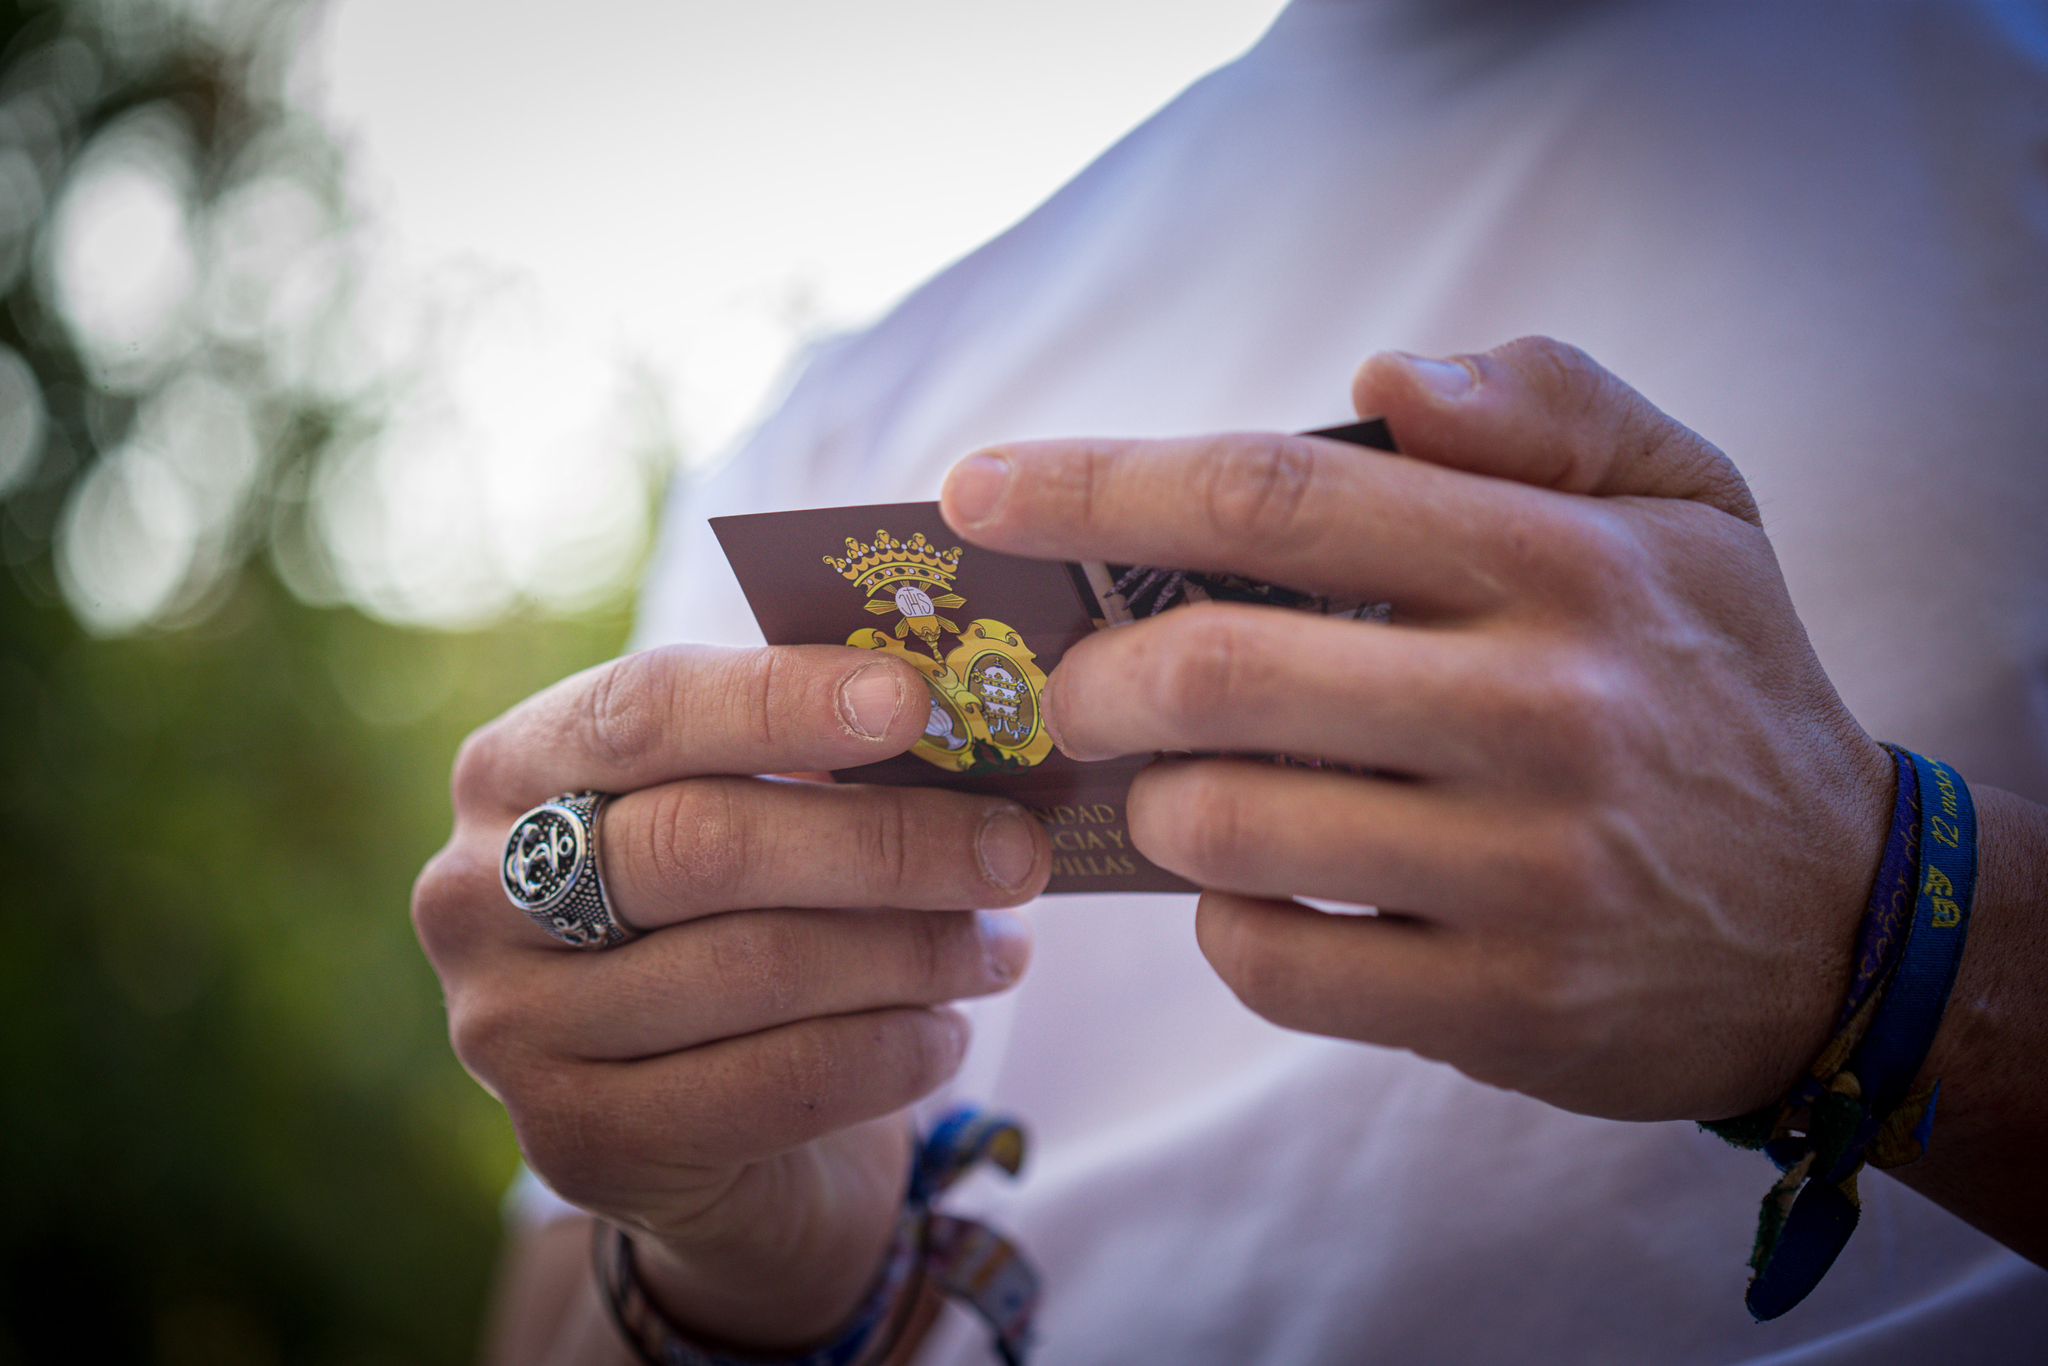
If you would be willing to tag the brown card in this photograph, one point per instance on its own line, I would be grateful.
(985, 629)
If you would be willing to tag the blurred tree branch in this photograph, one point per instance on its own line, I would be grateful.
(231, 1125)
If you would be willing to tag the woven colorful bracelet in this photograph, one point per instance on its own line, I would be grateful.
(964, 1259)
(1856, 1104)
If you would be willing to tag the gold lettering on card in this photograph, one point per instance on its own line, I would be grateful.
(1088, 840)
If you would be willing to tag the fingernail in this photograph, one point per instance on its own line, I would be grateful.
(1445, 378)
(1005, 848)
(1046, 716)
(1005, 944)
(869, 701)
(975, 487)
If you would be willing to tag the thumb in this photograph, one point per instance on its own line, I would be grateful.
(1540, 412)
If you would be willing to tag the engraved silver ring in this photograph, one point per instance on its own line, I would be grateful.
(551, 872)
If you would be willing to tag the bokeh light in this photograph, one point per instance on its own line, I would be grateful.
(345, 352)
(21, 419)
(467, 352)
(121, 260)
(127, 542)
(523, 476)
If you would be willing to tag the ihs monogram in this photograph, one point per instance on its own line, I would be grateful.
(986, 690)
(907, 571)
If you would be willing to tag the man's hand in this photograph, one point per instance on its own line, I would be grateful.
(731, 1085)
(1619, 824)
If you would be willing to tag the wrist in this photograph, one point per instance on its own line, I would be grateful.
(1985, 1165)
(763, 1296)
(799, 1243)
(740, 1304)
(1992, 977)
(1862, 1102)
(1851, 841)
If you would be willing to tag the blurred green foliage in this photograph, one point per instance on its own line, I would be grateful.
(231, 1130)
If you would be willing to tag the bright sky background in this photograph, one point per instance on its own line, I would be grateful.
(580, 234)
(698, 182)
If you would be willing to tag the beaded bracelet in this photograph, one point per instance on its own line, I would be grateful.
(962, 1258)
(1856, 1105)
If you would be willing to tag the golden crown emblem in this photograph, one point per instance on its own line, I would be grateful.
(886, 561)
(985, 691)
(895, 576)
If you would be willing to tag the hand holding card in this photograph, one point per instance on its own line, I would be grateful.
(984, 629)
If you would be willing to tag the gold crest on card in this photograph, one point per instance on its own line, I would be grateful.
(986, 691)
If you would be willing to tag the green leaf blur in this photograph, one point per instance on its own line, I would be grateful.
(231, 1129)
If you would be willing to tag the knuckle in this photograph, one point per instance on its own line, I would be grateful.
(1578, 709)
(1598, 706)
(1248, 963)
(885, 839)
(1560, 873)
(1607, 560)
(1203, 671)
(762, 960)
(1087, 484)
(919, 1048)
(757, 687)
(1210, 838)
(941, 1044)
(697, 841)
(934, 946)
(576, 1147)
(1255, 488)
(1077, 485)
(1525, 545)
(1558, 368)
(442, 900)
(489, 1032)
(891, 1057)
(473, 778)
(1577, 391)
(1581, 553)
(622, 709)
(806, 1069)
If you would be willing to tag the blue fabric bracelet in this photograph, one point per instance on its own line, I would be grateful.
(1896, 1046)
(1856, 1105)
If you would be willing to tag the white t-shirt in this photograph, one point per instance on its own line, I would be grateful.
(1815, 233)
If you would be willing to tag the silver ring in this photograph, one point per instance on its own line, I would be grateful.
(550, 872)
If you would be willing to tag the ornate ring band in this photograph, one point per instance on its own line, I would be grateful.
(550, 871)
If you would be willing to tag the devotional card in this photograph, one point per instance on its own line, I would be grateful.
(984, 630)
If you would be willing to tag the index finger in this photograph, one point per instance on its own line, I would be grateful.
(687, 711)
(1302, 511)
